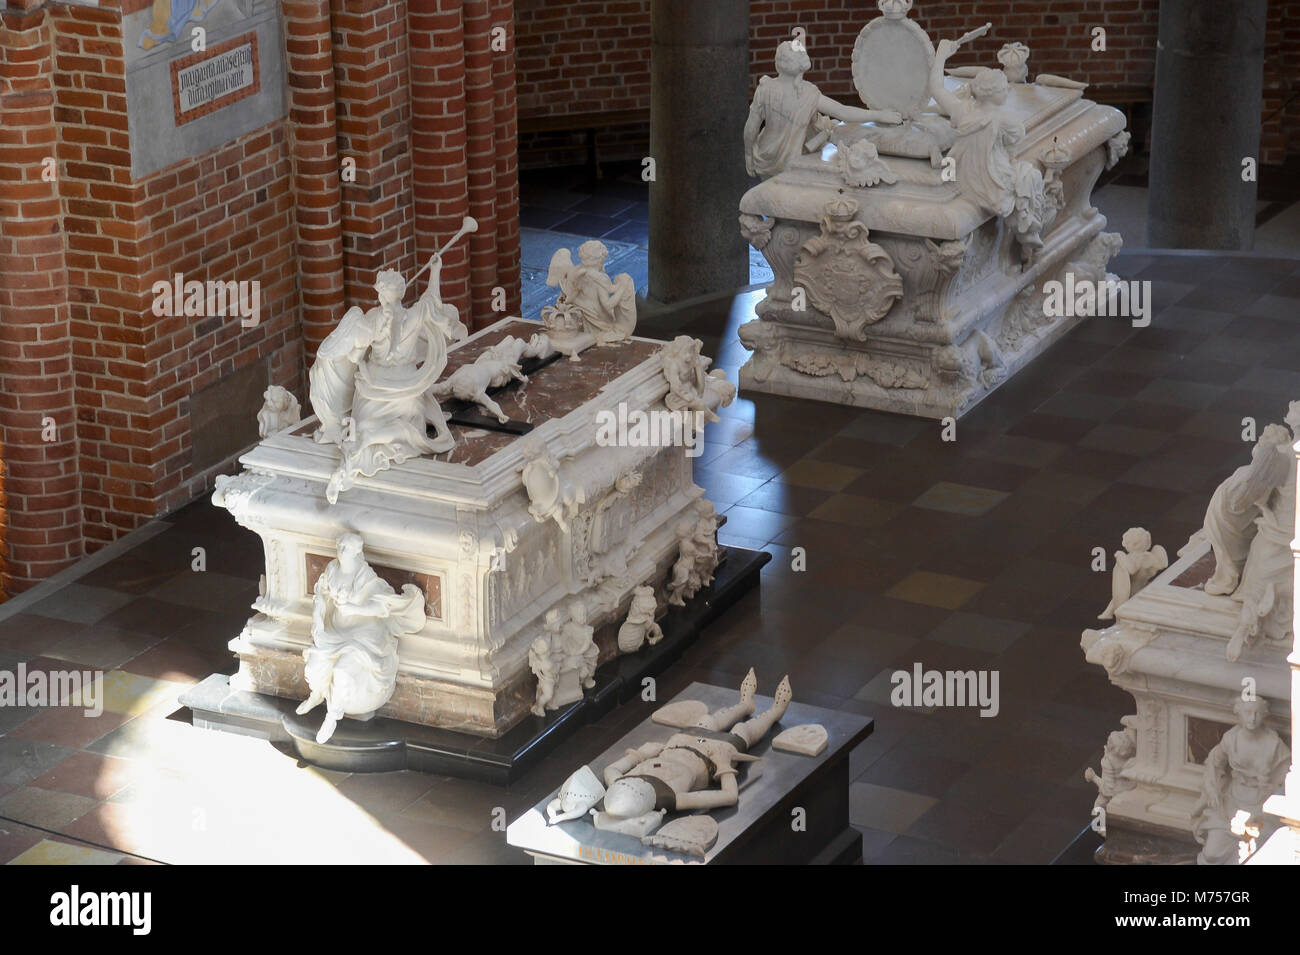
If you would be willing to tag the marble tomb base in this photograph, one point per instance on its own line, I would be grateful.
(463, 527)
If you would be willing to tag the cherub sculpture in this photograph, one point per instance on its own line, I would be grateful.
(1121, 748)
(684, 580)
(357, 619)
(564, 659)
(640, 623)
(545, 664)
(1135, 565)
(495, 368)
(706, 542)
(371, 381)
(691, 387)
(1242, 770)
(785, 117)
(606, 307)
(860, 165)
(694, 769)
(581, 654)
(280, 410)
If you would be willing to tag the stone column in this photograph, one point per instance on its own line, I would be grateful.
(698, 103)
(1208, 100)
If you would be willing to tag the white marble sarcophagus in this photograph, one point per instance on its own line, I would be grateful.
(495, 533)
(1203, 648)
(1167, 648)
(911, 260)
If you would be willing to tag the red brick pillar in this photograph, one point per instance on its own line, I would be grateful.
(310, 65)
(438, 140)
(373, 105)
(481, 154)
(40, 517)
(505, 111)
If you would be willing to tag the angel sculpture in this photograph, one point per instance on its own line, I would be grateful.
(496, 367)
(1135, 565)
(371, 378)
(1121, 748)
(691, 386)
(1267, 589)
(564, 659)
(860, 165)
(989, 177)
(606, 307)
(279, 410)
(351, 665)
(1229, 525)
(706, 541)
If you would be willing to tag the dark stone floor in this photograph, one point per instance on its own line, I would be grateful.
(972, 554)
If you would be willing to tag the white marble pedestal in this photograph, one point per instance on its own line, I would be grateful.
(969, 316)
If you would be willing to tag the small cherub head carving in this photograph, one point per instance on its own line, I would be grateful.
(593, 253)
(1137, 540)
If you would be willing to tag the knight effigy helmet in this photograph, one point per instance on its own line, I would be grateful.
(580, 792)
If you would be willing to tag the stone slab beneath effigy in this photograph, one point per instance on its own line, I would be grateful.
(758, 829)
(466, 528)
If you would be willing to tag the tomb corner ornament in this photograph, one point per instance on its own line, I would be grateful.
(847, 276)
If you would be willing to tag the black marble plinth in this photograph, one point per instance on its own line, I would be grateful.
(1132, 842)
(385, 745)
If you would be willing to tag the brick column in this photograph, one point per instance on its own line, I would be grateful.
(40, 515)
(507, 157)
(372, 90)
(481, 154)
(310, 63)
(438, 139)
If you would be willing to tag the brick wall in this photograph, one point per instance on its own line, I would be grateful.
(40, 524)
(584, 56)
(95, 389)
(229, 216)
